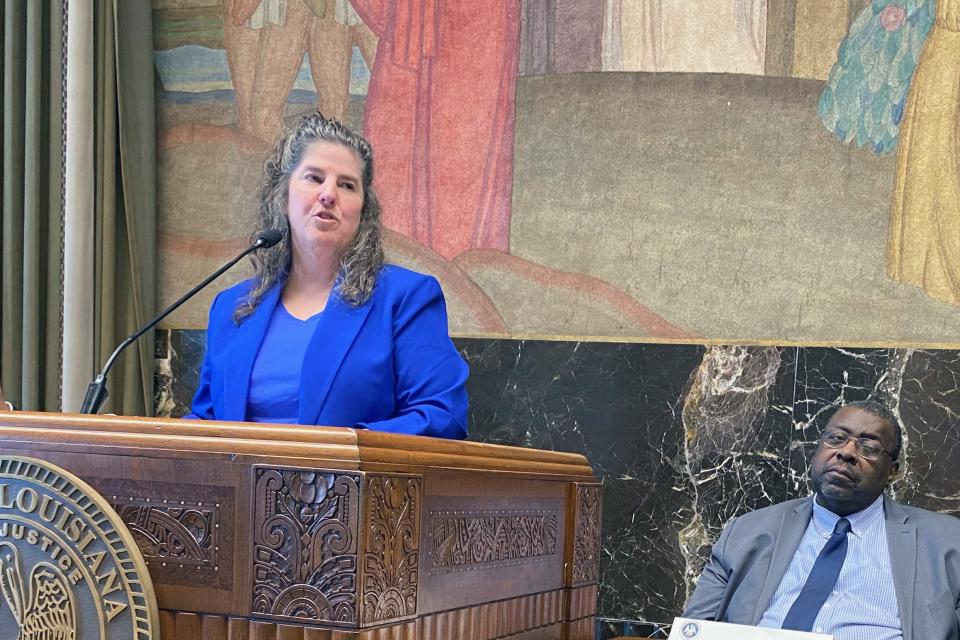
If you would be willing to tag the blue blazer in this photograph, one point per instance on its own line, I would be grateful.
(387, 365)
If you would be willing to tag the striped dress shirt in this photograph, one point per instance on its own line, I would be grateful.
(863, 603)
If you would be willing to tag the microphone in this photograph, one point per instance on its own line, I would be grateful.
(97, 390)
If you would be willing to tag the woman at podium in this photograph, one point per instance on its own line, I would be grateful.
(325, 333)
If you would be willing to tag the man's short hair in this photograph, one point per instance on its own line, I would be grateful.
(880, 410)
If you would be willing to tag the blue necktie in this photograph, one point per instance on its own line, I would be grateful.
(820, 582)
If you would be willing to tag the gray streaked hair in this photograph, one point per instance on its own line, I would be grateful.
(362, 260)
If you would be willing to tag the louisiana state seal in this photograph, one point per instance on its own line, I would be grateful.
(69, 569)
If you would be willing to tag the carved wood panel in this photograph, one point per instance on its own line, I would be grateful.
(586, 541)
(474, 540)
(305, 544)
(184, 533)
(391, 548)
(177, 528)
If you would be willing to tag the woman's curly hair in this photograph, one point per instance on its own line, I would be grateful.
(362, 260)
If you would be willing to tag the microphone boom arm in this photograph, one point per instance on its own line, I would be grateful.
(96, 393)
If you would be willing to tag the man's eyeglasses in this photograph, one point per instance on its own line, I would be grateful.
(866, 448)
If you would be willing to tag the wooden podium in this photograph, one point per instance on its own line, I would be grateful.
(263, 532)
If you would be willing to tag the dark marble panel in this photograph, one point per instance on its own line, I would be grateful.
(178, 354)
(737, 419)
(828, 377)
(608, 628)
(684, 437)
(642, 565)
(621, 405)
(929, 406)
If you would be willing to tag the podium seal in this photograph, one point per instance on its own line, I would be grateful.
(69, 568)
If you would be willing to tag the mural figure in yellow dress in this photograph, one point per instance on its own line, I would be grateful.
(924, 244)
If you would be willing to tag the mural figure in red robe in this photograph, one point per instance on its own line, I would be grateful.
(440, 114)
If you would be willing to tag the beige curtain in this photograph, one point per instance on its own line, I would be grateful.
(31, 230)
(78, 317)
(102, 248)
(124, 198)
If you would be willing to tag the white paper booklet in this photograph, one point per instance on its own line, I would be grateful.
(688, 629)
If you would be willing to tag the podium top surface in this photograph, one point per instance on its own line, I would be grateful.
(347, 448)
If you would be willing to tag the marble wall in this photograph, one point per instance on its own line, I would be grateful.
(684, 437)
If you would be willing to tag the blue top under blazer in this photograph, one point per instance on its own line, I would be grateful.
(387, 365)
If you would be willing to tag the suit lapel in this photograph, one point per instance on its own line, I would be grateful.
(902, 544)
(332, 339)
(793, 524)
(238, 363)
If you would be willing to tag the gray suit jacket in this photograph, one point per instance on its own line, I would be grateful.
(754, 551)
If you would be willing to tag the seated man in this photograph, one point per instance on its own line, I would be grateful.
(848, 562)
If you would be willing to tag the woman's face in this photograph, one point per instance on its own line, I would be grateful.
(324, 200)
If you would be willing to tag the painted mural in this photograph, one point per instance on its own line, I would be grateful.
(924, 245)
(700, 36)
(677, 170)
(267, 43)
